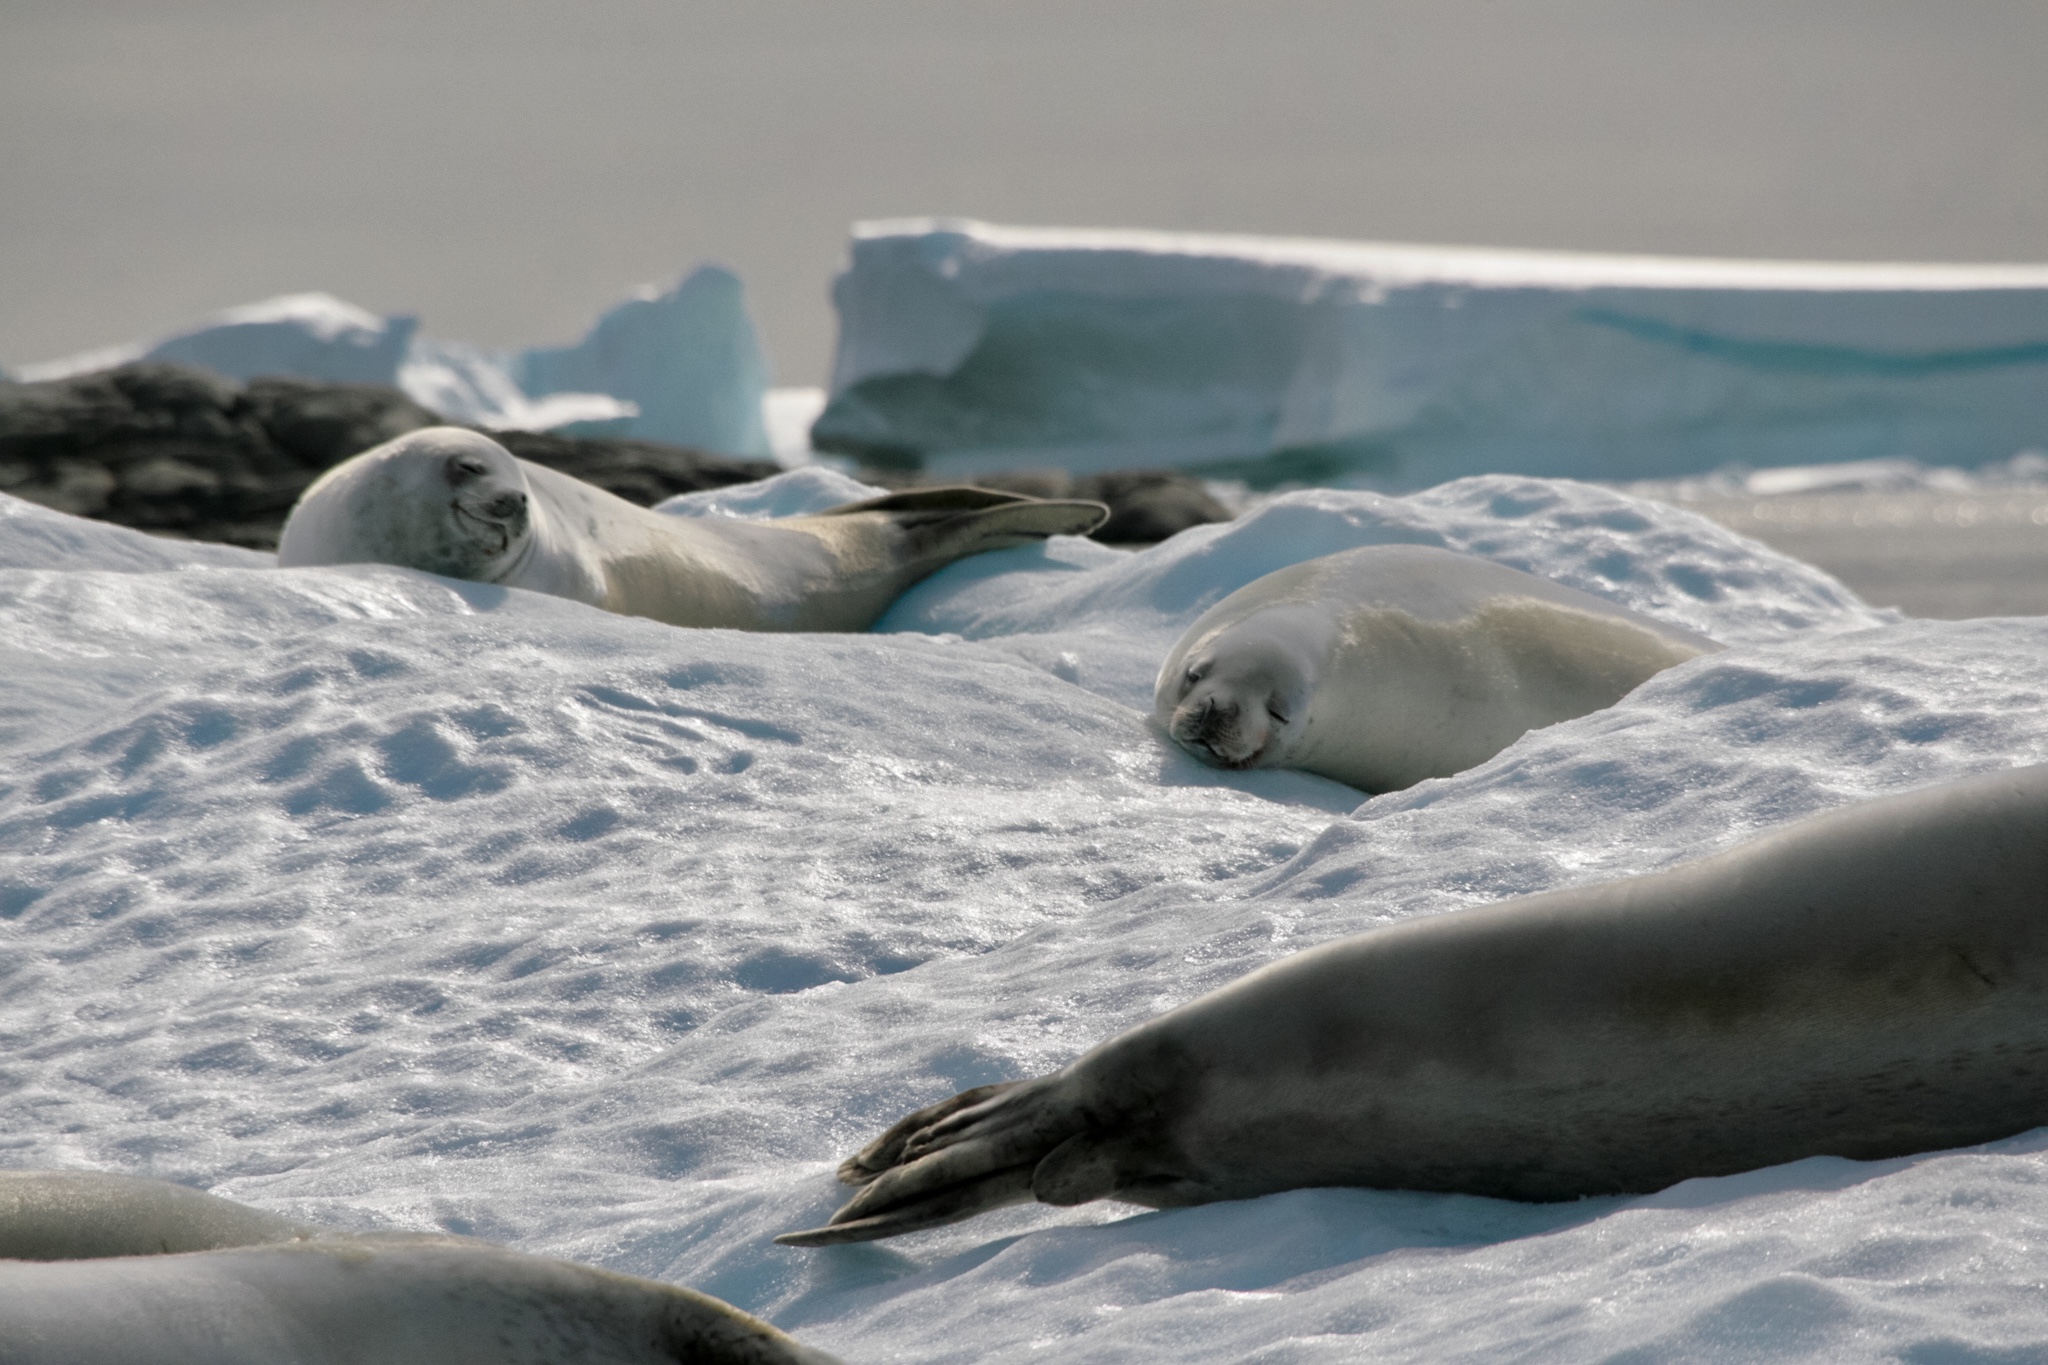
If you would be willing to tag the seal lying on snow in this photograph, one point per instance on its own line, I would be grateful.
(456, 502)
(177, 1276)
(1385, 665)
(1866, 983)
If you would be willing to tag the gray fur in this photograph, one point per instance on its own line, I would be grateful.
(114, 1270)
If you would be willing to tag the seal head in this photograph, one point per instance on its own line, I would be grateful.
(445, 500)
(1240, 698)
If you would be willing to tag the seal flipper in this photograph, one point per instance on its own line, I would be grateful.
(1133, 1167)
(887, 1150)
(999, 518)
(975, 1152)
(953, 1204)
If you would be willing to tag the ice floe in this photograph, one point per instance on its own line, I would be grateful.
(384, 900)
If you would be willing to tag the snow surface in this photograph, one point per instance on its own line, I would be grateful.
(681, 365)
(387, 900)
(972, 347)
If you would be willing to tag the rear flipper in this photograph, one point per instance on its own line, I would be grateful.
(990, 1147)
(963, 1156)
(996, 519)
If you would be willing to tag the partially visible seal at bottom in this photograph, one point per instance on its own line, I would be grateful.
(111, 1270)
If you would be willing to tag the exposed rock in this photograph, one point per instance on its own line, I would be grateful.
(158, 447)
(320, 424)
(1149, 505)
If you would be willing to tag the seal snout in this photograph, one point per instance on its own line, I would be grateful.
(507, 506)
(493, 518)
(1219, 731)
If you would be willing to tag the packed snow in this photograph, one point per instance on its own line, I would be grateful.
(967, 347)
(681, 365)
(390, 901)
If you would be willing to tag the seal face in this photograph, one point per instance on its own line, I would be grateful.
(100, 1269)
(452, 501)
(1867, 983)
(1385, 665)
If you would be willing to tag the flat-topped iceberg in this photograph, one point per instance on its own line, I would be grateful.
(681, 365)
(967, 347)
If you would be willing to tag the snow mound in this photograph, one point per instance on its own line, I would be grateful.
(969, 347)
(34, 537)
(398, 902)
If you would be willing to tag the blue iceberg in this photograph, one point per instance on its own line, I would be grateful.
(965, 347)
(687, 358)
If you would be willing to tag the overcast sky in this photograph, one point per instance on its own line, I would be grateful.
(508, 168)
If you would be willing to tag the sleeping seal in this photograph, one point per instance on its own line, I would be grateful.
(1866, 983)
(456, 502)
(111, 1270)
(1385, 665)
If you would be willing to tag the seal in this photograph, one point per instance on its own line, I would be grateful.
(1866, 983)
(109, 1270)
(1385, 665)
(455, 502)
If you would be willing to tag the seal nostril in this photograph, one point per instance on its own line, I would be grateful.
(507, 505)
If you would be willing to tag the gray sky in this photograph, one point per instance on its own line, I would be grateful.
(508, 168)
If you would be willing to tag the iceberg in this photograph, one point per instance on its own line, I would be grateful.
(966, 347)
(682, 366)
(305, 336)
(687, 358)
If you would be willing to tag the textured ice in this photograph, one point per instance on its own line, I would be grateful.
(971, 347)
(391, 901)
(682, 365)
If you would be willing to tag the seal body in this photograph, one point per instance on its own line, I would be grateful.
(452, 501)
(1389, 664)
(1867, 983)
(110, 1270)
